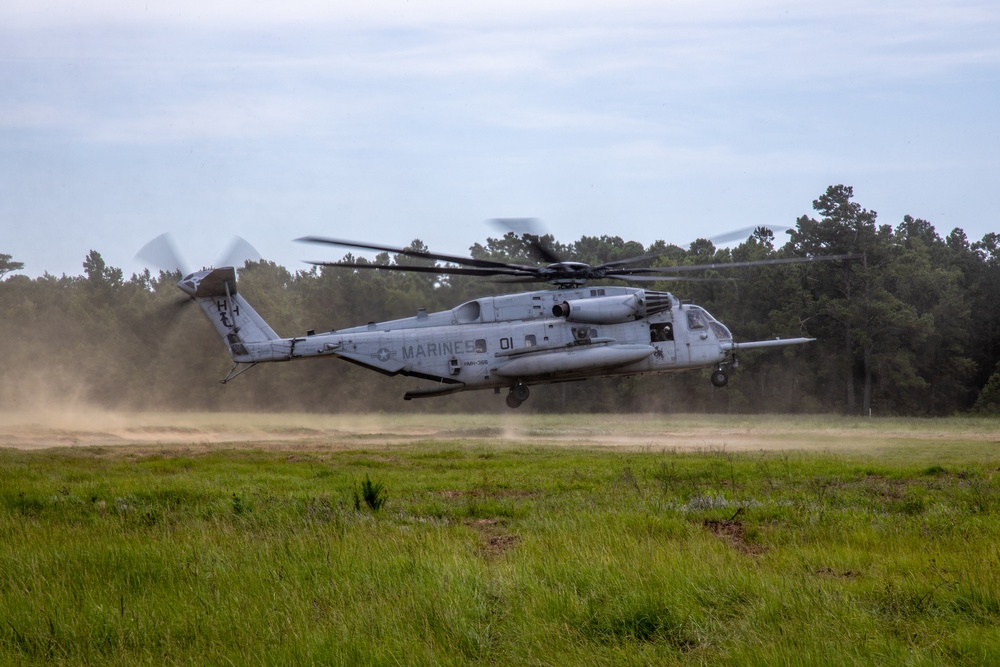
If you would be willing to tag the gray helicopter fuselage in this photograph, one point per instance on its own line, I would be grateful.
(531, 338)
(511, 341)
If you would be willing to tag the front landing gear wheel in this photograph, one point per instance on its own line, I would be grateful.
(719, 378)
(512, 401)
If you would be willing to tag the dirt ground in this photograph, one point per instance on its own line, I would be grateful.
(88, 428)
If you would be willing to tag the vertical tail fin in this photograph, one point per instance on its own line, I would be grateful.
(247, 335)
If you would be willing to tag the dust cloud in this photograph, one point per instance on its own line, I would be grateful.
(78, 425)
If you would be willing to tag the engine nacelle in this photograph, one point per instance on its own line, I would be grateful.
(603, 310)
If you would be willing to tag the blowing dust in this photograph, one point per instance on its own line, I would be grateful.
(41, 426)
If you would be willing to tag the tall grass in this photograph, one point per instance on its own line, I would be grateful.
(508, 554)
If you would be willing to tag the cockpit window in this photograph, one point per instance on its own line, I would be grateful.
(695, 319)
(721, 332)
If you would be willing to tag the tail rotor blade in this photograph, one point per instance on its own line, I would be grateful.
(238, 253)
(162, 254)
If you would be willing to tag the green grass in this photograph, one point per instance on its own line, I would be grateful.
(503, 553)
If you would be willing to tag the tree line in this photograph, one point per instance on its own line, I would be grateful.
(910, 327)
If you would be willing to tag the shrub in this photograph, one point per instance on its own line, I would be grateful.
(373, 493)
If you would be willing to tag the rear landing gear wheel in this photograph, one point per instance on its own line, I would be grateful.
(518, 394)
(720, 378)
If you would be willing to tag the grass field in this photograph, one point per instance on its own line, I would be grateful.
(539, 540)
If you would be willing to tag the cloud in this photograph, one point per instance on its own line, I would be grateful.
(712, 44)
(213, 117)
(337, 12)
(397, 110)
(203, 71)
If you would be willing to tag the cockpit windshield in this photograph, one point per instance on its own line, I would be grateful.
(721, 332)
(698, 318)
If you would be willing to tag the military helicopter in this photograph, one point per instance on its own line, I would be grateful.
(504, 342)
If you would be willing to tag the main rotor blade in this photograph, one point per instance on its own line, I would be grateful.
(419, 254)
(437, 270)
(741, 234)
(738, 265)
(654, 279)
(627, 278)
(525, 279)
(630, 260)
(519, 226)
(529, 230)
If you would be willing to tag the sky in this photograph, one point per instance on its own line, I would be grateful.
(399, 120)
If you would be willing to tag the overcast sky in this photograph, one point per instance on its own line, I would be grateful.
(389, 121)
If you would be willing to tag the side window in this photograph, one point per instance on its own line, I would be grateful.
(659, 333)
(480, 345)
(530, 340)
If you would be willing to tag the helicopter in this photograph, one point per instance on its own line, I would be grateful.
(502, 342)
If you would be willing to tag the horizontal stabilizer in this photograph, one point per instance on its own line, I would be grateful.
(206, 284)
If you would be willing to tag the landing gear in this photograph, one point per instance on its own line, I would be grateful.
(720, 376)
(518, 394)
(520, 391)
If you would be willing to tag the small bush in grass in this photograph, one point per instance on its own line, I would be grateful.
(373, 493)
